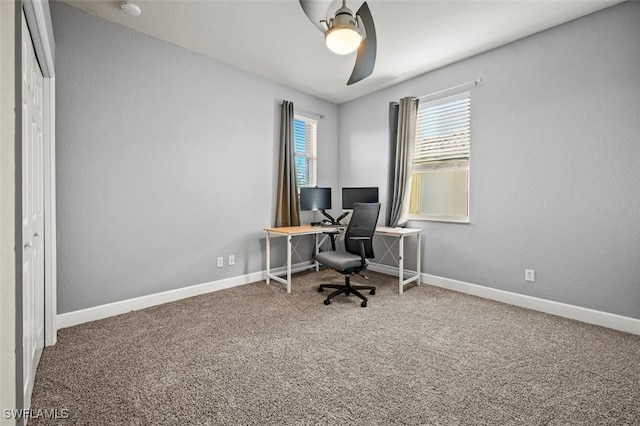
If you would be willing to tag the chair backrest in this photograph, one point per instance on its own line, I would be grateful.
(362, 224)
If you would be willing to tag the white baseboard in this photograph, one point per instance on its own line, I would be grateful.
(94, 313)
(81, 316)
(590, 316)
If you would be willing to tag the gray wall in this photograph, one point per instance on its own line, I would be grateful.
(165, 161)
(151, 138)
(555, 153)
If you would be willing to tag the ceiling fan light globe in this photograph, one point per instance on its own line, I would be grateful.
(130, 8)
(342, 40)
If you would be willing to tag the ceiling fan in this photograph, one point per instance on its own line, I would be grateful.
(345, 32)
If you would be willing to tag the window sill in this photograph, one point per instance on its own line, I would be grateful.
(438, 219)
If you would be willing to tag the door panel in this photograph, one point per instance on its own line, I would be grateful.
(32, 213)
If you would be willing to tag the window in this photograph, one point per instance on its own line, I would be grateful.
(440, 183)
(305, 132)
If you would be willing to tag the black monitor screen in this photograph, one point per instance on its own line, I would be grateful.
(315, 198)
(350, 196)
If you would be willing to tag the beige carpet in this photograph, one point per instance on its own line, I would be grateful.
(254, 355)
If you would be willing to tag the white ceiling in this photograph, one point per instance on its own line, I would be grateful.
(275, 39)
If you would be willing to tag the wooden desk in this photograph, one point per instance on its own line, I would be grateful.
(289, 232)
(293, 231)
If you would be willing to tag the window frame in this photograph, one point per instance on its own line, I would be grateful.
(444, 163)
(311, 157)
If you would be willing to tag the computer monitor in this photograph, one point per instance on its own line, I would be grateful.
(351, 196)
(315, 198)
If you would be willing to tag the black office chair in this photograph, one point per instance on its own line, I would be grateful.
(358, 244)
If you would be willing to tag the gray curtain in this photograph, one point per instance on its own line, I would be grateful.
(402, 140)
(287, 204)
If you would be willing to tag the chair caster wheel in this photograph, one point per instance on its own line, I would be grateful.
(364, 304)
(372, 292)
(320, 289)
(346, 293)
(327, 302)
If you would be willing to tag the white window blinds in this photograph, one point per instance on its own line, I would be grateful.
(440, 181)
(443, 130)
(305, 136)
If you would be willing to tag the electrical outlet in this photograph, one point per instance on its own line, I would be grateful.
(232, 260)
(220, 262)
(529, 275)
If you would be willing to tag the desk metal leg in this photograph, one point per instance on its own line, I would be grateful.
(279, 274)
(401, 264)
(268, 258)
(316, 253)
(288, 263)
(418, 257)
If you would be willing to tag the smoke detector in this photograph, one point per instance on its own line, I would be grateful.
(130, 8)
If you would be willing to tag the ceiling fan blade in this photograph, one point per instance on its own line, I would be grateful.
(316, 11)
(366, 57)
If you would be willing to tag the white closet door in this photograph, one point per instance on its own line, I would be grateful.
(32, 213)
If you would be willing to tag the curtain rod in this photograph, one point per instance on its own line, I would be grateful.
(304, 111)
(459, 86)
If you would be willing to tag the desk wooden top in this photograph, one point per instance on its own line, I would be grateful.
(302, 229)
(386, 230)
(308, 229)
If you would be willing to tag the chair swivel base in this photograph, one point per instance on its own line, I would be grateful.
(347, 289)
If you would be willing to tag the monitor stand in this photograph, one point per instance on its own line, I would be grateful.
(332, 221)
(328, 216)
(342, 216)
